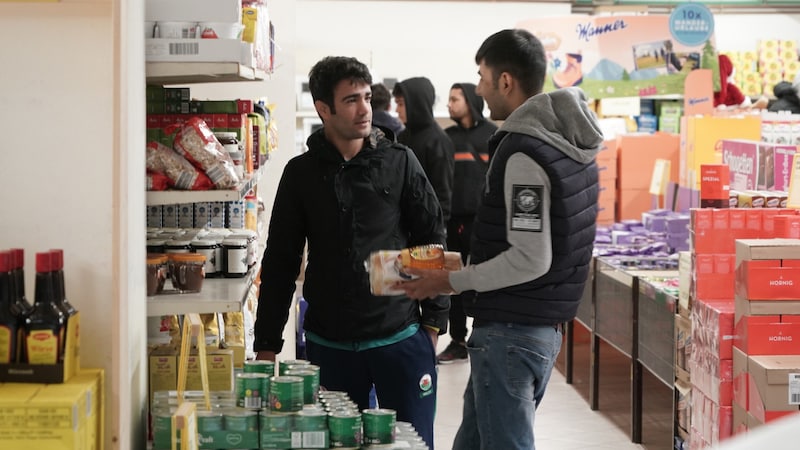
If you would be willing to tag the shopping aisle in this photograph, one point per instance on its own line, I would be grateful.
(563, 421)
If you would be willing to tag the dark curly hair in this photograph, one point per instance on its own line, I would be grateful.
(329, 71)
(517, 52)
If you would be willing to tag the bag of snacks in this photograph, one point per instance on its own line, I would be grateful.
(385, 267)
(197, 143)
(181, 173)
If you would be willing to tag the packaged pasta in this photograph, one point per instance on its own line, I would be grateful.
(197, 143)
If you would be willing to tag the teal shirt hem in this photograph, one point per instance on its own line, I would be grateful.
(358, 346)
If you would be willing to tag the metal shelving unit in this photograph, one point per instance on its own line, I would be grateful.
(214, 195)
(165, 73)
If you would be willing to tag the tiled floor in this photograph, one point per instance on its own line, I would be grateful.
(563, 421)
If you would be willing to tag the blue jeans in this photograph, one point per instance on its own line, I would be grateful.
(510, 366)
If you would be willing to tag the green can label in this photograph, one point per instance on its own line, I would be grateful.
(260, 366)
(252, 390)
(285, 365)
(275, 422)
(345, 429)
(311, 420)
(240, 420)
(310, 384)
(286, 394)
(379, 426)
(208, 421)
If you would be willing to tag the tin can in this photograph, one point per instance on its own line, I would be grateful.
(285, 394)
(252, 390)
(379, 426)
(240, 420)
(260, 366)
(310, 384)
(345, 429)
(275, 422)
(283, 366)
(208, 421)
(311, 420)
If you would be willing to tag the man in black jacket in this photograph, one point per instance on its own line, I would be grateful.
(531, 245)
(470, 136)
(415, 98)
(354, 192)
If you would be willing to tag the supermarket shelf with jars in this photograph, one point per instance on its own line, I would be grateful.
(217, 295)
(214, 195)
(166, 73)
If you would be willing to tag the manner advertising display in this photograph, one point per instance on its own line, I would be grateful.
(624, 56)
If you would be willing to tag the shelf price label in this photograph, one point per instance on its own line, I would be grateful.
(691, 24)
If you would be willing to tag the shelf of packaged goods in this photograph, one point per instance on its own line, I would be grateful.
(166, 73)
(213, 195)
(217, 295)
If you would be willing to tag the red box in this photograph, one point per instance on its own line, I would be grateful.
(714, 276)
(753, 223)
(740, 379)
(220, 121)
(235, 120)
(787, 226)
(714, 185)
(768, 387)
(768, 335)
(768, 279)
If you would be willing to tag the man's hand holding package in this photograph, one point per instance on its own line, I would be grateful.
(429, 283)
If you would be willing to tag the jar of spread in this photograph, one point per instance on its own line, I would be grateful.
(156, 273)
(235, 256)
(178, 246)
(228, 141)
(207, 248)
(187, 270)
(252, 244)
(219, 257)
(156, 245)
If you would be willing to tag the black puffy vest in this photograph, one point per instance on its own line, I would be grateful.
(554, 297)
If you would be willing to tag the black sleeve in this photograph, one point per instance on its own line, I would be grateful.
(441, 166)
(280, 265)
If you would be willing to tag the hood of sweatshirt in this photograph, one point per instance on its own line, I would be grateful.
(561, 118)
(474, 101)
(419, 96)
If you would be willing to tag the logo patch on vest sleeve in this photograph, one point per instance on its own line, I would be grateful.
(526, 208)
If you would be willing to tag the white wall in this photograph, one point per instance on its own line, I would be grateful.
(438, 39)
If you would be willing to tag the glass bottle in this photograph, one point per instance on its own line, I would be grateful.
(21, 305)
(44, 327)
(9, 322)
(57, 261)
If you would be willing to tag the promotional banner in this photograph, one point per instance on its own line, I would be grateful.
(626, 56)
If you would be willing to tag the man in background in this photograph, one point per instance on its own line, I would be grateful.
(532, 241)
(470, 136)
(415, 98)
(381, 105)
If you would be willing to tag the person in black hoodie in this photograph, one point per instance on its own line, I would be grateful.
(352, 193)
(470, 136)
(381, 104)
(414, 98)
(787, 94)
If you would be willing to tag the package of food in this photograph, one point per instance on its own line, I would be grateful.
(157, 181)
(197, 143)
(181, 173)
(386, 267)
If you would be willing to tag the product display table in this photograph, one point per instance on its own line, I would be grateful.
(614, 316)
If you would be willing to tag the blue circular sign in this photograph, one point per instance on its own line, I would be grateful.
(691, 24)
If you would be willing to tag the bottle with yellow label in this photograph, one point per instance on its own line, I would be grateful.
(44, 327)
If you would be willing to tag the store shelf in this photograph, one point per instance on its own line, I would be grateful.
(217, 295)
(214, 195)
(165, 73)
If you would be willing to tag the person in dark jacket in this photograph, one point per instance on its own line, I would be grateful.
(532, 241)
(415, 98)
(381, 104)
(470, 136)
(787, 97)
(353, 193)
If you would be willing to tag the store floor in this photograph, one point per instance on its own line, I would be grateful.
(564, 420)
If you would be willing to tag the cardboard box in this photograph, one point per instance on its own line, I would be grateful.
(637, 154)
(768, 279)
(223, 11)
(220, 371)
(768, 392)
(768, 335)
(741, 379)
(714, 186)
(49, 373)
(163, 369)
(199, 50)
(750, 249)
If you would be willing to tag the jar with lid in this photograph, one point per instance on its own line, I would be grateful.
(252, 244)
(228, 140)
(172, 233)
(207, 248)
(178, 246)
(235, 257)
(187, 270)
(219, 256)
(156, 273)
(156, 245)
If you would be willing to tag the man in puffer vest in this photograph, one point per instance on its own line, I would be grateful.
(531, 244)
